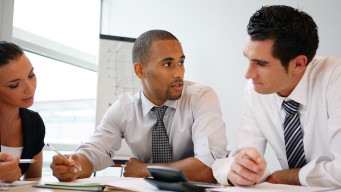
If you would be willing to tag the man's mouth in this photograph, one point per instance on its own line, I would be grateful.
(256, 83)
(178, 86)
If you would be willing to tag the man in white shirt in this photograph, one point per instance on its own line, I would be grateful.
(192, 119)
(293, 103)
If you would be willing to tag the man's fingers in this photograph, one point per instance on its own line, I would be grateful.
(252, 154)
(245, 173)
(262, 164)
(63, 169)
(251, 159)
(237, 179)
(72, 159)
(65, 173)
(246, 162)
(65, 177)
(249, 164)
(58, 160)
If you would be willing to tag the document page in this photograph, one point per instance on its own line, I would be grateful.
(108, 183)
(269, 187)
(15, 184)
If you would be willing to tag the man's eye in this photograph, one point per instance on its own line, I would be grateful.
(261, 64)
(166, 64)
(181, 63)
(31, 76)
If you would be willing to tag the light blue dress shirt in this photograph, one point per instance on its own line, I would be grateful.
(194, 126)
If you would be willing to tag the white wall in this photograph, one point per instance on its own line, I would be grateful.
(212, 33)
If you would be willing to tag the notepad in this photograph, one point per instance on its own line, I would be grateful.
(71, 186)
(98, 184)
(105, 183)
(84, 187)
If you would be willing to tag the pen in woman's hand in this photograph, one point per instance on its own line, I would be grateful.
(27, 161)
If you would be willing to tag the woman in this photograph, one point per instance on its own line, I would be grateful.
(22, 131)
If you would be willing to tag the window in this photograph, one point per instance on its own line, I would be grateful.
(72, 23)
(65, 99)
(60, 37)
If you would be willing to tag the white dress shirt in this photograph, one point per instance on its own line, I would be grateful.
(319, 95)
(194, 126)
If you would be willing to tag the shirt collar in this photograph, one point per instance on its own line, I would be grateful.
(299, 94)
(148, 105)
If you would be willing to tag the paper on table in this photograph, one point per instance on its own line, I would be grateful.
(269, 187)
(101, 179)
(131, 184)
(110, 183)
(9, 186)
(88, 184)
(72, 186)
(95, 183)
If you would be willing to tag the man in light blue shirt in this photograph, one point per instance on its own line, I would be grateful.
(193, 119)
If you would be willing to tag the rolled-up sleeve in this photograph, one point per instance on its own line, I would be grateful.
(208, 130)
(249, 135)
(99, 149)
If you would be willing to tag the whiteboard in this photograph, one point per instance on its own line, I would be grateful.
(115, 76)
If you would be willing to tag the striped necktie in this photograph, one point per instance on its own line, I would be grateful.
(293, 135)
(161, 150)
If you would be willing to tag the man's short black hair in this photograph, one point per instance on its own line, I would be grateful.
(8, 52)
(143, 44)
(294, 32)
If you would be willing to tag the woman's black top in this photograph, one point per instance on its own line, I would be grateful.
(33, 132)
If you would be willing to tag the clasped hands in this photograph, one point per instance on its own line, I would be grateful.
(247, 168)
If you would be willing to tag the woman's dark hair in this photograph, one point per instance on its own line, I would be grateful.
(9, 51)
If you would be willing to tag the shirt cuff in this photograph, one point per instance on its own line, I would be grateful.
(202, 151)
(97, 161)
(265, 176)
(310, 175)
(221, 168)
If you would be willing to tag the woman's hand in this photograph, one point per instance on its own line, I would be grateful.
(9, 168)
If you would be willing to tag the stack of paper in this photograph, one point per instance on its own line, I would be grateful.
(102, 184)
(72, 186)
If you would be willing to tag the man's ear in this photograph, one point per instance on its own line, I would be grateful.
(298, 64)
(139, 70)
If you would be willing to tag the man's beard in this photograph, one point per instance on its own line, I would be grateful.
(172, 97)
